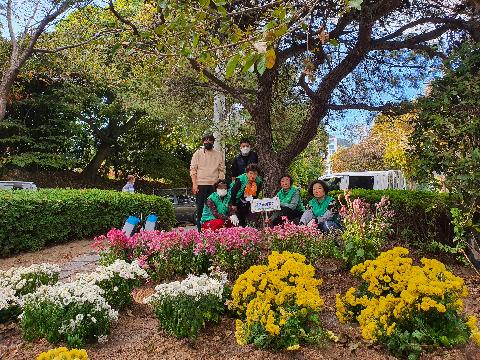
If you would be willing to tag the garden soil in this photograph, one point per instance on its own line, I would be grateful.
(136, 334)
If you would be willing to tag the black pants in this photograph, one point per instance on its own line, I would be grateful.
(204, 191)
(292, 215)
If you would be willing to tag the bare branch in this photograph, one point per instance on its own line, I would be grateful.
(66, 47)
(122, 19)
(382, 108)
(303, 84)
(13, 38)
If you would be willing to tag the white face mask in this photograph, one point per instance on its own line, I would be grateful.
(222, 192)
(245, 150)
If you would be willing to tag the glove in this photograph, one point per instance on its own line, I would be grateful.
(234, 220)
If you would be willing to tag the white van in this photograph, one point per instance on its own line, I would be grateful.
(370, 180)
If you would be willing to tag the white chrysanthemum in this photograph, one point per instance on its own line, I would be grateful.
(193, 286)
(119, 268)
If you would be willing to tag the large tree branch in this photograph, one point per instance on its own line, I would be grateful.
(122, 19)
(239, 94)
(453, 23)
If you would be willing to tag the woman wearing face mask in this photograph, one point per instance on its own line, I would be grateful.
(290, 202)
(245, 188)
(245, 158)
(215, 213)
(322, 213)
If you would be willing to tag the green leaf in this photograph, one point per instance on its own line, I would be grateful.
(115, 48)
(249, 62)
(360, 253)
(204, 3)
(231, 65)
(356, 4)
(196, 38)
(333, 42)
(219, 2)
(261, 64)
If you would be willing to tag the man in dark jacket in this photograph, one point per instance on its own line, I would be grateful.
(245, 158)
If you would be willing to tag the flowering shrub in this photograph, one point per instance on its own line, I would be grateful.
(18, 282)
(302, 239)
(62, 353)
(183, 307)
(278, 303)
(233, 250)
(163, 253)
(366, 229)
(407, 307)
(75, 312)
(117, 281)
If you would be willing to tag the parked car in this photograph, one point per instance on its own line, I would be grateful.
(183, 203)
(17, 185)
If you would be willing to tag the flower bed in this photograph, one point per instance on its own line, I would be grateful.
(183, 307)
(117, 281)
(62, 353)
(278, 303)
(302, 239)
(407, 307)
(17, 282)
(366, 228)
(74, 312)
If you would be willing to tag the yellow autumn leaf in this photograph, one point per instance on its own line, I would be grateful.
(270, 58)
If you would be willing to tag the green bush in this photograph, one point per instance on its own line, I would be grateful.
(30, 220)
(421, 217)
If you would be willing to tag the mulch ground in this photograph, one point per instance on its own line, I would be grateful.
(136, 334)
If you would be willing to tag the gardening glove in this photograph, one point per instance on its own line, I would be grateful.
(234, 220)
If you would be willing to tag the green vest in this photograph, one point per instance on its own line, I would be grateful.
(320, 208)
(244, 181)
(222, 207)
(286, 197)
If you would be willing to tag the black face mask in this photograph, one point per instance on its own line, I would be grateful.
(208, 146)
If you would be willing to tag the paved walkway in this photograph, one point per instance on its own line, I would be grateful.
(83, 263)
(88, 262)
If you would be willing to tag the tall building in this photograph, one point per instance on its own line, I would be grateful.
(334, 144)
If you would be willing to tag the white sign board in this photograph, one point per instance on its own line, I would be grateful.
(265, 204)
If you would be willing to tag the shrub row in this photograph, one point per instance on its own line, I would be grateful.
(420, 217)
(30, 220)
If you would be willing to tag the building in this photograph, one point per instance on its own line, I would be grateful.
(334, 144)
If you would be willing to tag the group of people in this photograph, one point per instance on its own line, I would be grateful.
(223, 204)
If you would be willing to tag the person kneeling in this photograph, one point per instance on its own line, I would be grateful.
(215, 214)
(322, 213)
(246, 188)
(290, 203)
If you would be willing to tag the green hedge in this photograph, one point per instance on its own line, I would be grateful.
(420, 216)
(30, 220)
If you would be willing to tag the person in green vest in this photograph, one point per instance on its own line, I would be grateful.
(323, 208)
(215, 214)
(290, 203)
(245, 188)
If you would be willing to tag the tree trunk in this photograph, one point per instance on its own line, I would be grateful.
(5, 86)
(273, 169)
(103, 152)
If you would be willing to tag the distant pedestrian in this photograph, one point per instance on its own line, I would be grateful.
(206, 168)
(129, 186)
(246, 157)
